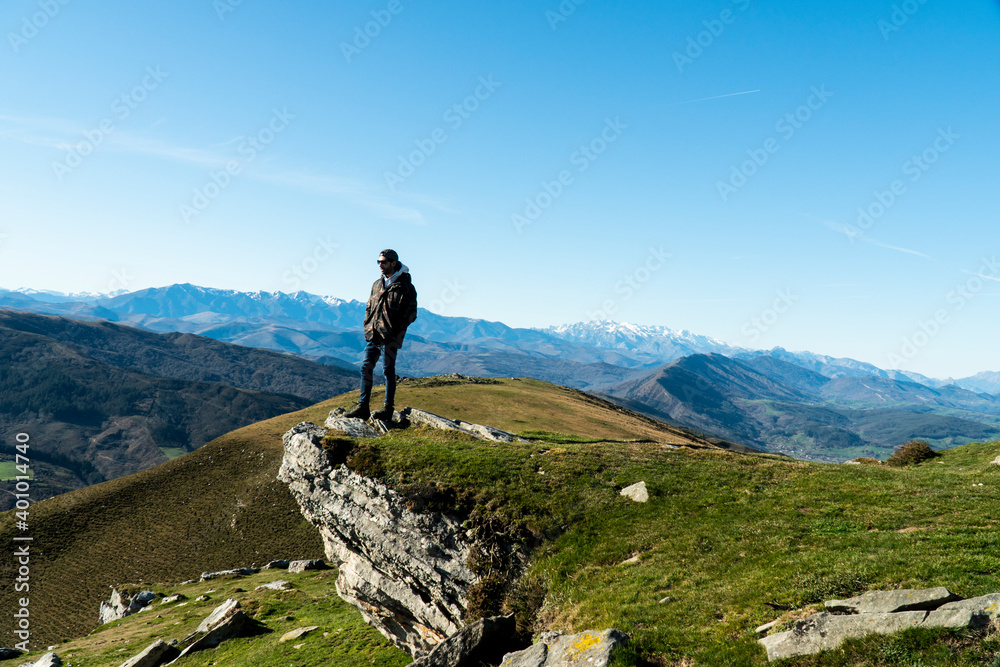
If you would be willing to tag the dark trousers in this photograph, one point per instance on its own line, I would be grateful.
(372, 353)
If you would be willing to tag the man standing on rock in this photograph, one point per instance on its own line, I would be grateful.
(392, 307)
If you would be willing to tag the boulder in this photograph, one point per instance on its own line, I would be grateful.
(277, 565)
(153, 655)
(886, 602)
(303, 565)
(825, 631)
(995, 462)
(590, 649)
(636, 492)
(482, 643)
(50, 659)
(10, 653)
(225, 622)
(173, 598)
(424, 418)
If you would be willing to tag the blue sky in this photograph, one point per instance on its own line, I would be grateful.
(700, 165)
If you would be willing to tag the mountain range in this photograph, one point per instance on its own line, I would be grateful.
(801, 403)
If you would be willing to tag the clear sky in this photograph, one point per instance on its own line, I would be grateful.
(816, 175)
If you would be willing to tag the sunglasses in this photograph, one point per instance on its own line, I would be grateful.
(383, 261)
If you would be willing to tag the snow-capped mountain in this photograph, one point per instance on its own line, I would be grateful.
(658, 341)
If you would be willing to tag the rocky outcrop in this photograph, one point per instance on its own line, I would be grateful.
(406, 572)
(423, 418)
(881, 612)
(593, 649)
(120, 606)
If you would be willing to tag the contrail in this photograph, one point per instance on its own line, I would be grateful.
(745, 92)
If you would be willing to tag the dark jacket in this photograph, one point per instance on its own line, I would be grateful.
(390, 311)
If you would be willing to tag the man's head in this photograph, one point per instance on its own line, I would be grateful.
(388, 262)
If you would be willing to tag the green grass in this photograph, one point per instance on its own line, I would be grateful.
(341, 638)
(727, 541)
(9, 471)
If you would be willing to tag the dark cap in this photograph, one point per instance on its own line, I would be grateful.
(390, 255)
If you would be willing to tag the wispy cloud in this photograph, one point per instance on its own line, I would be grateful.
(853, 234)
(715, 97)
(63, 135)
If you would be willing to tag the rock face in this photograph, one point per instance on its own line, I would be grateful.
(225, 622)
(590, 649)
(406, 572)
(482, 643)
(881, 612)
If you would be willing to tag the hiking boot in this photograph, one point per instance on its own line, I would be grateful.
(359, 411)
(385, 414)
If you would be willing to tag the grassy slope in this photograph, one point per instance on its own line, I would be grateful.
(221, 506)
(723, 536)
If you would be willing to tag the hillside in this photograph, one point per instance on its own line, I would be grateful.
(102, 400)
(726, 543)
(771, 404)
(220, 506)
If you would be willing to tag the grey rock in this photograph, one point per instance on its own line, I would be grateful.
(303, 565)
(483, 642)
(238, 572)
(277, 565)
(985, 604)
(119, 606)
(173, 598)
(354, 428)
(636, 492)
(225, 622)
(884, 602)
(424, 418)
(995, 462)
(10, 653)
(50, 659)
(153, 655)
(591, 648)
(825, 631)
(298, 632)
(406, 572)
(279, 585)
(489, 433)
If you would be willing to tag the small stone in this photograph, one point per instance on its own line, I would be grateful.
(295, 634)
(279, 585)
(636, 492)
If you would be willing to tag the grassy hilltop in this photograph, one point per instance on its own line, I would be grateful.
(728, 540)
